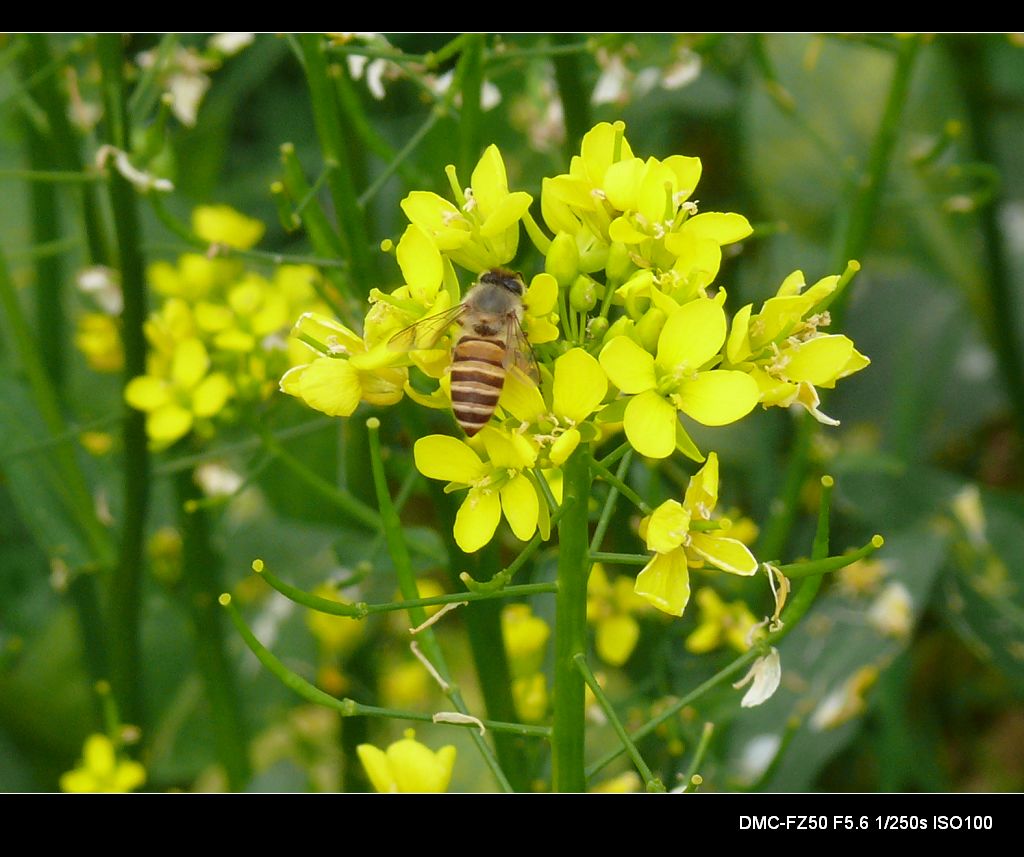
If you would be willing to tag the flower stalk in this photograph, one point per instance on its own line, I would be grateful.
(571, 628)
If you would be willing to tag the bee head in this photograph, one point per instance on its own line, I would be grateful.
(509, 280)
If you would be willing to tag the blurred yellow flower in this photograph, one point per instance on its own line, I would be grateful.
(221, 224)
(408, 766)
(102, 771)
(720, 623)
(99, 338)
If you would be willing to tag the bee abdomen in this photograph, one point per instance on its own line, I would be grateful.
(478, 374)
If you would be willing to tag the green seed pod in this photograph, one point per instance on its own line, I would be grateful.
(583, 294)
(597, 328)
(563, 259)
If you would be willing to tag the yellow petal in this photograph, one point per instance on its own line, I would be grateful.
(650, 424)
(580, 385)
(420, 261)
(377, 767)
(521, 398)
(98, 756)
(693, 334)
(717, 398)
(146, 393)
(665, 582)
(668, 527)
(507, 214)
(688, 171)
(616, 638)
(702, 490)
(507, 449)
(628, 366)
(621, 182)
(541, 296)
(189, 364)
(738, 347)
(489, 181)
(211, 394)
(330, 385)
(519, 502)
(597, 151)
(128, 776)
(564, 446)
(477, 519)
(727, 554)
(439, 456)
(167, 424)
(819, 360)
(417, 769)
(722, 227)
(221, 224)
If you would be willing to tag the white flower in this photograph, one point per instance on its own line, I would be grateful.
(766, 673)
(103, 285)
(230, 44)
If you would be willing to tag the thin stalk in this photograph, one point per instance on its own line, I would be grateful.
(652, 783)
(51, 176)
(609, 506)
(201, 567)
(571, 627)
(620, 558)
(698, 756)
(80, 503)
(397, 161)
(399, 552)
(349, 707)
(621, 486)
(125, 582)
(332, 143)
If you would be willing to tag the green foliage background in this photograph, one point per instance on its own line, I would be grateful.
(785, 127)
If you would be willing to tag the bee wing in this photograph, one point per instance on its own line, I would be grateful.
(425, 333)
(519, 352)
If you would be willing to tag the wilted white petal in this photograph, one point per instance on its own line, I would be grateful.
(490, 96)
(645, 81)
(611, 85)
(375, 78)
(971, 514)
(142, 181)
(684, 71)
(757, 755)
(356, 65)
(892, 612)
(230, 44)
(103, 285)
(187, 91)
(217, 480)
(766, 673)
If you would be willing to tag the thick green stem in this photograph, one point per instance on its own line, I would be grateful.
(571, 627)
(201, 568)
(332, 143)
(1002, 298)
(64, 141)
(125, 582)
(574, 93)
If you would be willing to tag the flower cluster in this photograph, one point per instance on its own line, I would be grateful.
(625, 328)
(218, 337)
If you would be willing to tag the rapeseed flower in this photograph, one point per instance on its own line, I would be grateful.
(408, 766)
(102, 771)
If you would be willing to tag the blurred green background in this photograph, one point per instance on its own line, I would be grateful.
(928, 452)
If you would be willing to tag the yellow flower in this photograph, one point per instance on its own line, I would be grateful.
(720, 623)
(502, 484)
(530, 696)
(611, 606)
(348, 372)
(221, 224)
(99, 338)
(101, 770)
(408, 766)
(483, 232)
(678, 379)
(784, 351)
(684, 535)
(406, 685)
(578, 388)
(189, 391)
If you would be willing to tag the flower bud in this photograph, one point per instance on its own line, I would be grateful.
(563, 259)
(619, 264)
(623, 326)
(648, 329)
(597, 327)
(583, 294)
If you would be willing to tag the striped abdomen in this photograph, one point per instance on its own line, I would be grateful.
(478, 373)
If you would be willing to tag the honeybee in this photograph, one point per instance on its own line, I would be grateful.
(491, 341)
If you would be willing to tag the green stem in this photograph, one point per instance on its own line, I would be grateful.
(689, 783)
(64, 140)
(1003, 297)
(399, 551)
(125, 582)
(609, 506)
(621, 486)
(349, 707)
(332, 143)
(469, 76)
(574, 93)
(201, 567)
(652, 783)
(620, 558)
(571, 627)
(397, 161)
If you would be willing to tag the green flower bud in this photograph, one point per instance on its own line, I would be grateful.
(583, 294)
(619, 265)
(622, 326)
(648, 329)
(563, 259)
(597, 327)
